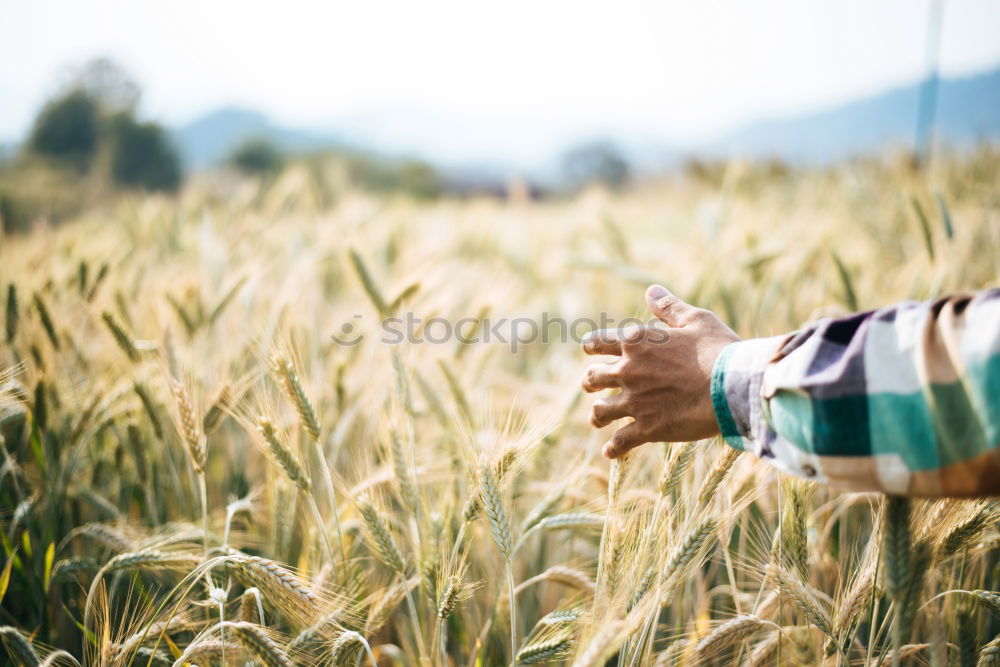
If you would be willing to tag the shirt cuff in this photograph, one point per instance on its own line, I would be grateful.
(736, 390)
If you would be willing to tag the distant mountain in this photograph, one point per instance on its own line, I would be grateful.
(968, 111)
(209, 139)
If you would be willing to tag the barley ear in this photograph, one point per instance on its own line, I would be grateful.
(401, 471)
(121, 337)
(255, 639)
(290, 382)
(18, 646)
(368, 282)
(385, 545)
(13, 313)
(189, 426)
(725, 635)
(46, 317)
(544, 651)
(905, 565)
(989, 655)
(282, 454)
(722, 467)
(794, 542)
(493, 504)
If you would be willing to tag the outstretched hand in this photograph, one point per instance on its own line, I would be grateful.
(663, 374)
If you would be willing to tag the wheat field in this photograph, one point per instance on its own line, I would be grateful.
(194, 471)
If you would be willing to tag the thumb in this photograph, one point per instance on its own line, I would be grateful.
(668, 307)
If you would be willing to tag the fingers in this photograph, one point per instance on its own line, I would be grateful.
(614, 341)
(606, 410)
(626, 438)
(601, 376)
(668, 307)
(602, 341)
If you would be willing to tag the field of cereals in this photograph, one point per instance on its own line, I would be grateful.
(195, 472)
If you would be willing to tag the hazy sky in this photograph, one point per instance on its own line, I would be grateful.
(677, 69)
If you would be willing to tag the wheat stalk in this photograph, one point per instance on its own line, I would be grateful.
(385, 544)
(676, 467)
(728, 633)
(561, 617)
(13, 313)
(255, 639)
(197, 451)
(449, 596)
(278, 584)
(794, 542)
(388, 552)
(407, 491)
(989, 599)
(802, 598)
(153, 631)
(368, 282)
(489, 493)
(288, 378)
(282, 455)
(850, 609)
(18, 646)
(718, 473)
(989, 654)
(544, 651)
(688, 551)
(46, 317)
(121, 337)
(496, 513)
(151, 559)
(289, 381)
(967, 530)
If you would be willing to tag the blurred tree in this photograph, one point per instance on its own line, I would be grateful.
(141, 155)
(595, 162)
(109, 84)
(67, 129)
(257, 156)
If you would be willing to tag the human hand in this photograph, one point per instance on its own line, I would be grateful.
(664, 375)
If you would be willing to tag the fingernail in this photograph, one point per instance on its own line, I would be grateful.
(587, 337)
(607, 451)
(657, 292)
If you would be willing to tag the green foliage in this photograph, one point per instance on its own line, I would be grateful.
(68, 129)
(257, 156)
(141, 155)
(84, 140)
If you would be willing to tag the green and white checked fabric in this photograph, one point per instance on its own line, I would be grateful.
(905, 399)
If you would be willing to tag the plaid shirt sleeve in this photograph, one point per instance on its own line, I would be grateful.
(904, 400)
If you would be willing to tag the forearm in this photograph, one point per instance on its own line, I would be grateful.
(905, 399)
